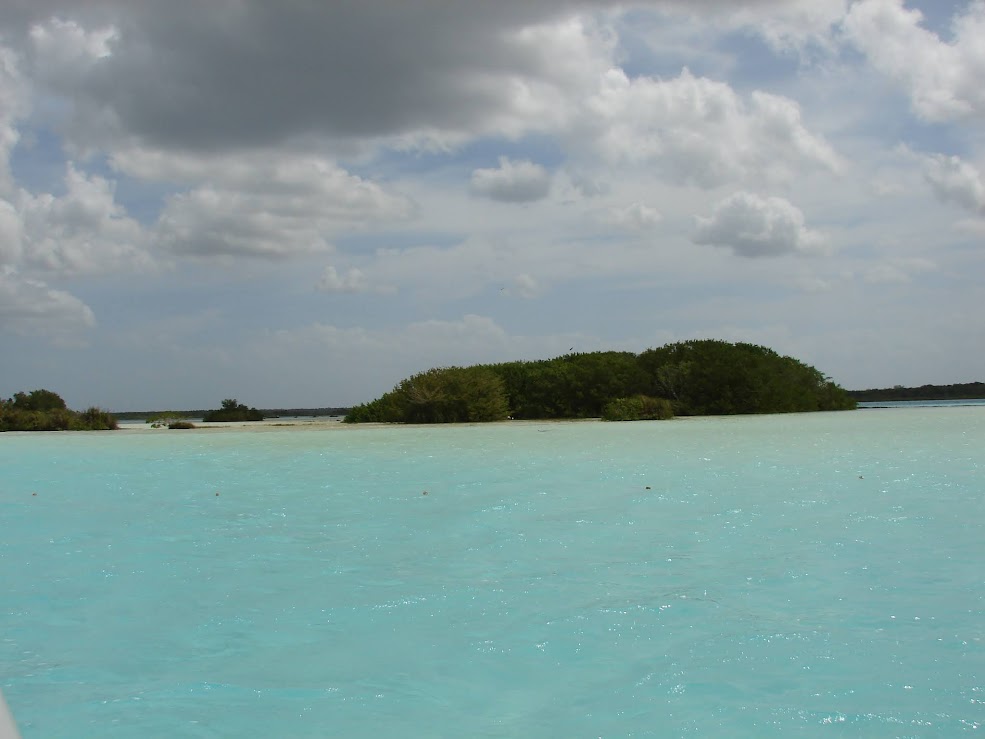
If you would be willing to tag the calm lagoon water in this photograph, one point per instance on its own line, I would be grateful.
(772, 576)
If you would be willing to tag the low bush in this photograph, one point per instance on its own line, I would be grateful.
(638, 408)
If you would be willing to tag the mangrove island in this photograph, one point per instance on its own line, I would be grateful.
(687, 378)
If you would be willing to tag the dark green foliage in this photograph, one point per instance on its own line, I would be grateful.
(705, 377)
(959, 391)
(441, 395)
(181, 425)
(43, 410)
(232, 411)
(38, 400)
(96, 419)
(638, 408)
(572, 386)
(711, 377)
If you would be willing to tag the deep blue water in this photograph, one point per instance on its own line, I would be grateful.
(766, 576)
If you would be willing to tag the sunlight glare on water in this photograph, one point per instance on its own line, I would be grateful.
(743, 577)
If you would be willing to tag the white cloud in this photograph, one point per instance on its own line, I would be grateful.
(525, 286)
(352, 281)
(13, 105)
(813, 284)
(29, 307)
(955, 181)
(753, 226)
(793, 24)
(693, 130)
(63, 49)
(975, 228)
(260, 205)
(942, 79)
(896, 271)
(634, 217)
(446, 72)
(11, 235)
(84, 231)
(512, 182)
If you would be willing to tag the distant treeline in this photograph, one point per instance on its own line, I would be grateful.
(689, 378)
(960, 391)
(43, 410)
(266, 412)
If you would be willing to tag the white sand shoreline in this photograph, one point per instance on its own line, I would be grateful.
(319, 423)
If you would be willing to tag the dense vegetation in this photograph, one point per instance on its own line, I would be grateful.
(960, 391)
(151, 416)
(43, 410)
(445, 395)
(687, 378)
(232, 411)
(639, 408)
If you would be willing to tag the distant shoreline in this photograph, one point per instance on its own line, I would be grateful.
(898, 394)
(336, 422)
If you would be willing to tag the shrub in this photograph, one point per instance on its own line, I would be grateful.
(440, 395)
(233, 411)
(638, 408)
(43, 410)
(95, 419)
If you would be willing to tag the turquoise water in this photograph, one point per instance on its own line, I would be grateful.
(766, 576)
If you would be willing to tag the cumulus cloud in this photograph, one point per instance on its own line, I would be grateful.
(351, 281)
(260, 205)
(63, 50)
(633, 217)
(13, 105)
(447, 74)
(697, 131)
(30, 307)
(84, 231)
(525, 286)
(942, 79)
(512, 182)
(753, 226)
(954, 180)
(896, 271)
(11, 235)
(791, 25)
(232, 72)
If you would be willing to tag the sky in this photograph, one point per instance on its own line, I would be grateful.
(298, 204)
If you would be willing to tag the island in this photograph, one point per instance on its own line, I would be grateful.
(44, 410)
(232, 410)
(687, 378)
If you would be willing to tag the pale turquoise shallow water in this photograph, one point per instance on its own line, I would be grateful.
(759, 588)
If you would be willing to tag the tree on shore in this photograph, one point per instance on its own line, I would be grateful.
(232, 410)
(440, 395)
(44, 410)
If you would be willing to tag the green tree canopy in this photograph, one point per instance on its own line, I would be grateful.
(695, 377)
(38, 400)
(43, 410)
(440, 395)
(232, 410)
